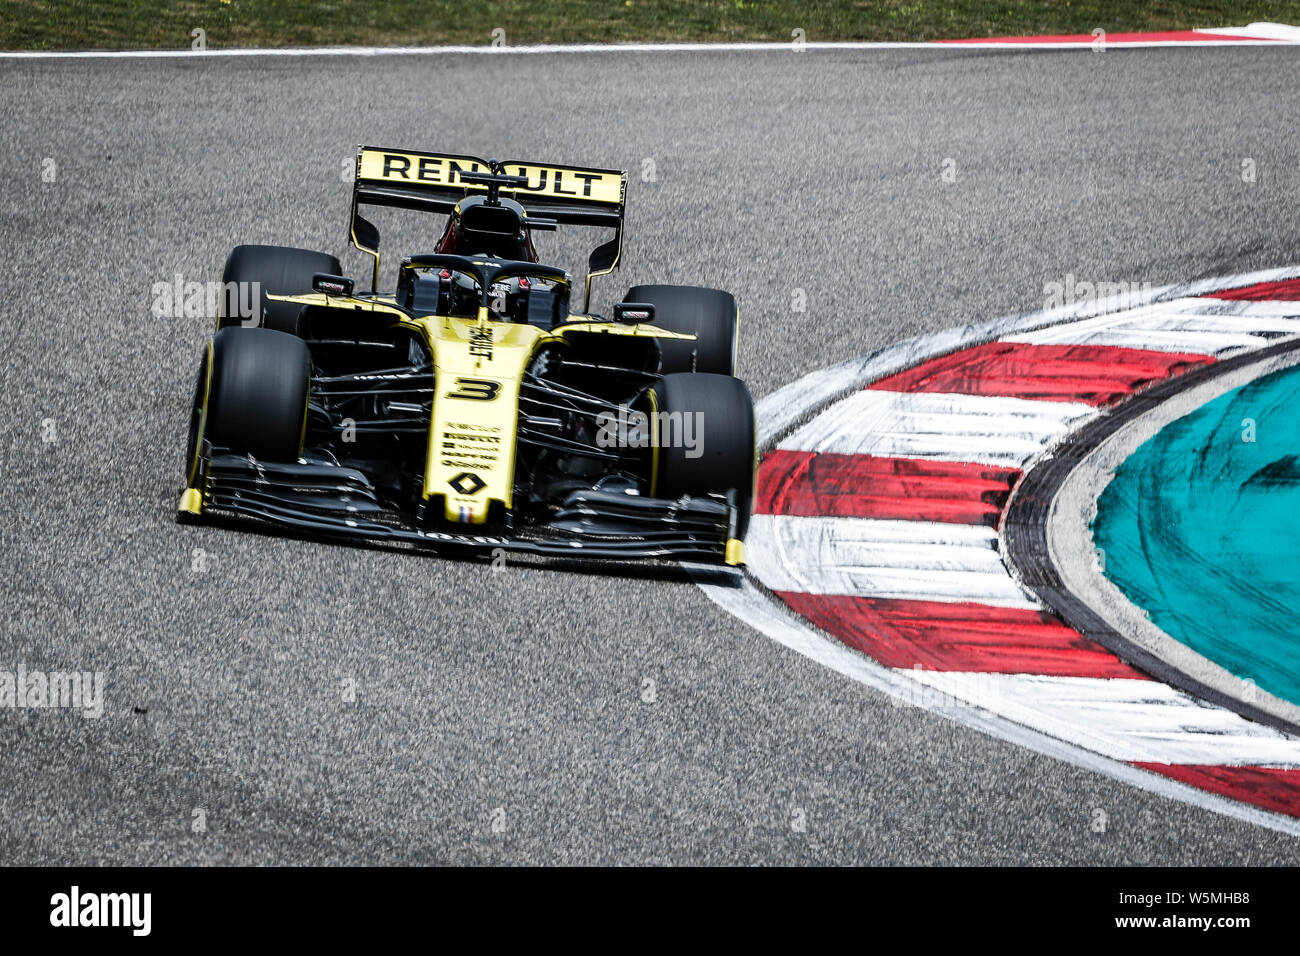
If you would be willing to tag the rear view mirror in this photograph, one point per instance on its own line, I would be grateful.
(632, 313)
(331, 285)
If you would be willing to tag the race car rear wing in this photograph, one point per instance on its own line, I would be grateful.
(567, 195)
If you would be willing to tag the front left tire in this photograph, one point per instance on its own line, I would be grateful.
(251, 396)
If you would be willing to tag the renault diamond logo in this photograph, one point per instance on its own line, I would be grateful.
(467, 483)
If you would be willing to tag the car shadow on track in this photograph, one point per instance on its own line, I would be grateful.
(645, 570)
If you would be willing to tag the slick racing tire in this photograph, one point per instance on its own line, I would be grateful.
(277, 270)
(253, 386)
(722, 458)
(709, 314)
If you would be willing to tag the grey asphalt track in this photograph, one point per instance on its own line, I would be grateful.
(525, 689)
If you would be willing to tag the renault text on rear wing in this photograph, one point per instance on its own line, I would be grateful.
(432, 182)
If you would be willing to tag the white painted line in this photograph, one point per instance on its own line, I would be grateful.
(870, 557)
(1186, 342)
(1273, 313)
(1248, 308)
(454, 50)
(1128, 720)
(783, 47)
(1270, 327)
(937, 425)
(1159, 329)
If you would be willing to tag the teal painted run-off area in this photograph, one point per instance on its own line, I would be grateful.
(1199, 528)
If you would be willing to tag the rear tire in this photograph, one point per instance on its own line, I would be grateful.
(709, 314)
(725, 451)
(277, 270)
(257, 396)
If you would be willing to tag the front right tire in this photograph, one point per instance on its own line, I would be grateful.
(723, 459)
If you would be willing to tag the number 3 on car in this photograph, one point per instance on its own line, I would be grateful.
(475, 389)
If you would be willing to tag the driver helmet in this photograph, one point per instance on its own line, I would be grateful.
(498, 230)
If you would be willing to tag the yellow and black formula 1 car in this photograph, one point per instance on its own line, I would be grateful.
(471, 408)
